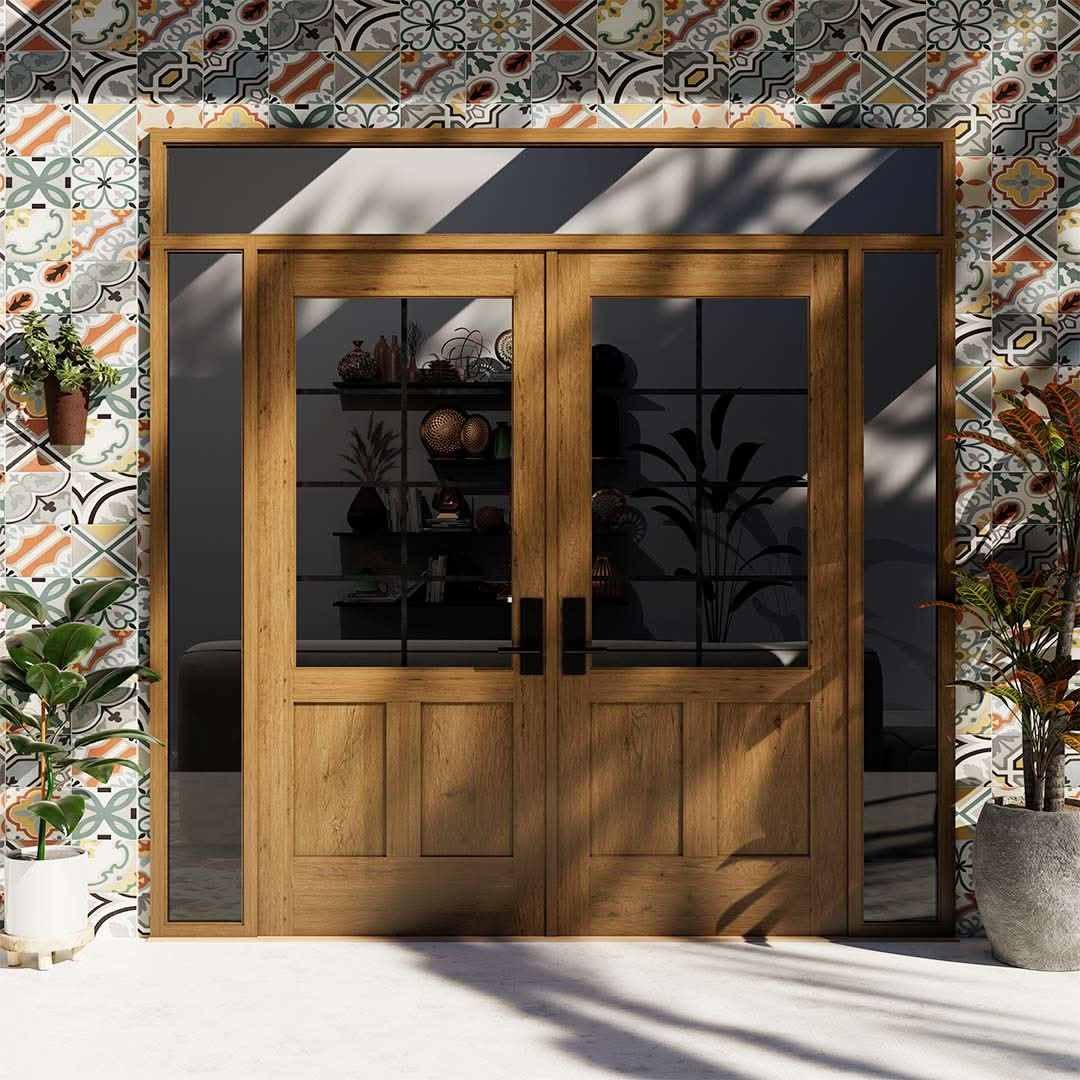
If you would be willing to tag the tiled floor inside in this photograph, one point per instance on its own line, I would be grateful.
(556, 1010)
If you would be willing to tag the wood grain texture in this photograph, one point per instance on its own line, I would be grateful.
(406, 897)
(699, 778)
(467, 779)
(273, 563)
(402, 684)
(635, 780)
(403, 778)
(341, 273)
(763, 771)
(700, 684)
(666, 273)
(339, 780)
(699, 897)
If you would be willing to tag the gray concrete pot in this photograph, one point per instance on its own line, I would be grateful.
(1027, 886)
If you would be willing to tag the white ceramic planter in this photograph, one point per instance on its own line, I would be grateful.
(45, 898)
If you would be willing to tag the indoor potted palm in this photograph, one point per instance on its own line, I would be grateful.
(1027, 859)
(46, 884)
(71, 375)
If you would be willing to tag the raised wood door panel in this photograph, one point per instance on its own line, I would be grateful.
(697, 799)
(397, 800)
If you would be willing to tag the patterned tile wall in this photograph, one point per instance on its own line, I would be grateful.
(85, 79)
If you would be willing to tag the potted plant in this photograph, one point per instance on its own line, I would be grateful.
(70, 373)
(46, 885)
(1027, 859)
(371, 458)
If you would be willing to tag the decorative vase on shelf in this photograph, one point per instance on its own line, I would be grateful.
(367, 512)
(381, 353)
(605, 582)
(475, 435)
(394, 362)
(440, 432)
(501, 441)
(358, 365)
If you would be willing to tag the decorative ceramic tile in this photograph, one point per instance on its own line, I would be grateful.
(889, 25)
(1028, 130)
(765, 78)
(1024, 341)
(169, 77)
(105, 25)
(695, 116)
(893, 78)
(38, 130)
(367, 116)
(1024, 184)
(175, 25)
(103, 288)
(37, 498)
(433, 25)
(973, 347)
(361, 25)
(235, 24)
(103, 78)
(973, 262)
(38, 182)
(778, 114)
(112, 337)
(1068, 25)
(630, 78)
(37, 551)
(960, 77)
(959, 24)
(39, 235)
(564, 25)
(496, 77)
(149, 116)
(367, 78)
(103, 130)
(630, 116)
(630, 26)
(825, 116)
(1025, 235)
(828, 25)
(565, 116)
(499, 26)
(444, 115)
(827, 78)
(564, 78)
(301, 25)
(38, 286)
(973, 182)
(104, 235)
(1025, 288)
(1069, 130)
(108, 183)
(238, 76)
(38, 25)
(247, 115)
(1024, 24)
(301, 78)
(761, 24)
(433, 77)
(1020, 77)
(696, 25)
(42, 78)
(882, 115)
(694, 78)
(971, 123)
(103, 550)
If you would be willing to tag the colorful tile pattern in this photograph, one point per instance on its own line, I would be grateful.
(83, 82)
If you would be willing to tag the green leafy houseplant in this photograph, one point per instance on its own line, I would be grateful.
(70, 373)
(728, 557)
(45, 663)
(1048, 447)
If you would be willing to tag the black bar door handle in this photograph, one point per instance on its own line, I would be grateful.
(574, 646)
(530, 636)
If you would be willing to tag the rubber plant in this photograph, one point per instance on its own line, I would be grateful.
(1047, 445)
(723, 542)
(71, 374)
(46, 663)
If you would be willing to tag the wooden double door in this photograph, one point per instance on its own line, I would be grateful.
(552, 630)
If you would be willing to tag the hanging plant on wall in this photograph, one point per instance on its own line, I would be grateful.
(71, 375)
(1027, 860)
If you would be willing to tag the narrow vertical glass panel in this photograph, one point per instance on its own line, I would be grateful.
(699, 507)
(900, 343)
(205, 485)
(403, 454)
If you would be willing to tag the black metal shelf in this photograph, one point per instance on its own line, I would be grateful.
(387, 396)
(472, 533)
(690, 579)
(741, 391)
(434, 482)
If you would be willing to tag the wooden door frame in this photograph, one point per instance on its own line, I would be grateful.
(855, 246)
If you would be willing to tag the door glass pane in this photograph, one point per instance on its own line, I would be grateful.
(900, 566)
(699, 507)
(205, 587)
(554, 189)
(403, 444)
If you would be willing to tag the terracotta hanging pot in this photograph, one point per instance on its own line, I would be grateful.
(67, 411)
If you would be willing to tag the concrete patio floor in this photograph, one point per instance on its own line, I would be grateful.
(545, 1010)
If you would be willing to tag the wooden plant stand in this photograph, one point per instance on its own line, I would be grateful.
(44, 950)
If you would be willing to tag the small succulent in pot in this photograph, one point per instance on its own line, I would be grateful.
(69, 372)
